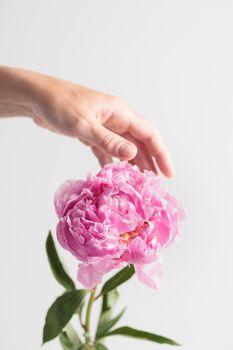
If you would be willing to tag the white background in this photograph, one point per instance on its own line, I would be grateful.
(172, 61)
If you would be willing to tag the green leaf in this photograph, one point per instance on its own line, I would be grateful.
(135, 333)
(69, 339)
(79, 310)
(56, 266)
(72, 334)
(122, 276)
(109, 300)
(80, 347)
(99, 346)
(65, 342)
(61, 312)
(106, 324)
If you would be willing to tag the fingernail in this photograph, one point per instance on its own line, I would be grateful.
(126, 150)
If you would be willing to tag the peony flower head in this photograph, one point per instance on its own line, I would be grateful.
(119, 216)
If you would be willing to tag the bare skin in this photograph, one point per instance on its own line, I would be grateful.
(103, 122)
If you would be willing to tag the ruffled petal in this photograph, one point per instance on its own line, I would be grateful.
(136, 249)
(67, 192)
(150, 274)
(119, 216)
(89, 276)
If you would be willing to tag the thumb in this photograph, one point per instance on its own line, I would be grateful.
(113, 144)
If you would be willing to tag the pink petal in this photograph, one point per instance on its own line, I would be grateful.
(89, 276)
(65, 193)
(137, 249)
(150, 274)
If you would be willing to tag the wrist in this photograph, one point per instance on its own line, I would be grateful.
(21, 91)
(30, 86)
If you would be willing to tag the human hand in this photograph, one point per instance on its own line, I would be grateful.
(103, 122)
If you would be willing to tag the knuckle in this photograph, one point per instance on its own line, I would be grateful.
(73, 125)
(79, 125)
(108, 140)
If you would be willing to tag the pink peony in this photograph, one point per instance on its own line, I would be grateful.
(119, 216)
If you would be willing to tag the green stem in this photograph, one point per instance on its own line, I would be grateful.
(88, 317)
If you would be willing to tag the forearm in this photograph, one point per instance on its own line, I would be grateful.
(18, 92)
